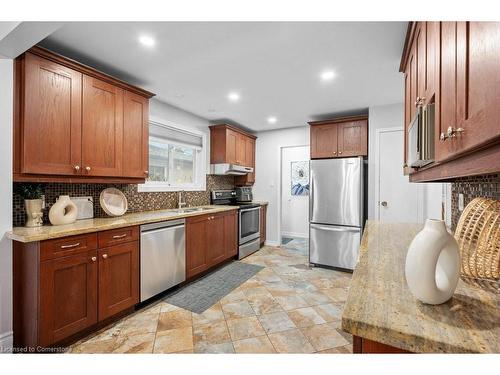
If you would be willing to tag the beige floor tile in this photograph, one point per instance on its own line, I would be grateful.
(316, 298)
(251, 283)
(237, 309)
(211, 333)
(324, 336)
(174, 319)
(138, 323)
(276, 322)
(141, 343)
(263, 304)
(208, 348)
(167, 307)
(254, 345)
(291, 302)
(305, 317)
(336, 294)
(330, 312)
(95, 346)
(347, 349)
(292, 341)
(174, 340)
(213, 314)
(257, 291)
(235, 295)
(244, 328)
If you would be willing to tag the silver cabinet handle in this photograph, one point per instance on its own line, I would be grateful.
(77, 168)
(105, 256)
(383, 203)
(120, 236)
(87, 169)
(70, 246)
(451, 132)
(93, 259)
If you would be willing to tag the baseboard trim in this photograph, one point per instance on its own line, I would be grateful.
(6, 342)
(272, 243)
(293, 234)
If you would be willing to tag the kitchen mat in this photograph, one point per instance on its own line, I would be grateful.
(285, 240)
(205, 292)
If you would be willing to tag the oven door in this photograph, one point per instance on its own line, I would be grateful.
(249, 224)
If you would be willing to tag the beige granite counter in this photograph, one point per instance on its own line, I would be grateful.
(381, 308)
(23, 234)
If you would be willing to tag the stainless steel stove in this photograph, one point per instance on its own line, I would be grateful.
(248, 219)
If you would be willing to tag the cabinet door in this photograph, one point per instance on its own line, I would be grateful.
(352, 138)
(102, 128)
(68, 296)
(412, 70)
(249, 178)
(196, 245)
(478, 84)
(216, 251)
(231, 234)
(241, 149)
(420, 49)
(135, 135)
(323, 141)
(263, 214)
(51, 128)
(118, 278)
(231, 145)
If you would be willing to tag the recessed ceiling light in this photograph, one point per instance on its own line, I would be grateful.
(147, 41)
(272, 120)
(327, 75)
(233, 96)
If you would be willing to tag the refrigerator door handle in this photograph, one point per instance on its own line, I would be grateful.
(311, 196)
(335, 229)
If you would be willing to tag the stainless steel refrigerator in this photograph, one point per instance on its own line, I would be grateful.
(336, 213)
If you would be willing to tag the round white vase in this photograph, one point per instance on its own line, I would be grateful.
(433, 264)
(64, 211)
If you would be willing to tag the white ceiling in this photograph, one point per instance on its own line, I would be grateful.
(274, 66)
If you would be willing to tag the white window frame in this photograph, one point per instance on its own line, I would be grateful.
(200, 163)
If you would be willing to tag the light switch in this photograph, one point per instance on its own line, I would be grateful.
(460, 202)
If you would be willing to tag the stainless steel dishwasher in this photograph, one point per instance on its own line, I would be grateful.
(163, 257)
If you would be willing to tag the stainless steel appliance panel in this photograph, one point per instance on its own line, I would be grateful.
(163, 257)
(248, 248)
(249, 224)
(334, 246)
(336, 195)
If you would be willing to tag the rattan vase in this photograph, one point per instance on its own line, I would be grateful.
(478, 237)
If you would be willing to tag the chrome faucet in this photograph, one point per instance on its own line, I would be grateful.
(181, 202)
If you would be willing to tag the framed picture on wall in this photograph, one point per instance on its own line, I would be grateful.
(300, 177)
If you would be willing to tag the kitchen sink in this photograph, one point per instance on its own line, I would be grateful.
(194, 209)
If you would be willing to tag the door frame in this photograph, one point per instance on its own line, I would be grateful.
(280, 191)
(376, 202)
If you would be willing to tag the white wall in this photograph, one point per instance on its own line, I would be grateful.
(6, 105)
(267, 171)
(294, 208)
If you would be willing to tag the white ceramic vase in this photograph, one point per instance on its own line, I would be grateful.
(64, 211)
(433, 264)
(33, 212)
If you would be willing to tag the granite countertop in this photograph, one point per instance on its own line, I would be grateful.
(381, 308)
(23, 234)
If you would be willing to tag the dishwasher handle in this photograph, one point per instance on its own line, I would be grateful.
(162, 225)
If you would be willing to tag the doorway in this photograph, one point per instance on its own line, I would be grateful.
(294, 198)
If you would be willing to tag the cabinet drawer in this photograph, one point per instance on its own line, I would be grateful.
(62, 247)
(117, 236)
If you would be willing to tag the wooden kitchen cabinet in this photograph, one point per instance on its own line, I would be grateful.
(229, 144)
(341, 137)
(210, 240)
(118, 278)
(66, 286)
(75, 124)
(455, 66)
(68, 296)
(263, 215)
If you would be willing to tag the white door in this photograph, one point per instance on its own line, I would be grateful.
(397, 200)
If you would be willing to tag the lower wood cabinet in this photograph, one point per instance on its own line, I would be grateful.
(72, 290)
(263, 214)
(210, 239)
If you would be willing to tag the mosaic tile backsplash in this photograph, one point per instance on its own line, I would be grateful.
(136, 201)
(487, 186)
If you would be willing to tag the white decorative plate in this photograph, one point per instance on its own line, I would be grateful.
(113, 202)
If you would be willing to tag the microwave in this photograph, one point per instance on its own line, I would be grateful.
(420, 151)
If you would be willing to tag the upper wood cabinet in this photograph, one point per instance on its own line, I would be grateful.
(341, 137)
(73, 123)
(229, 144)
(456, 66)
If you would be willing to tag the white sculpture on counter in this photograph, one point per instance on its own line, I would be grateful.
(433, 264)
(64, 211)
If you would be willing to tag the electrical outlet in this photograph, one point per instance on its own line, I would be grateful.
(460, 202)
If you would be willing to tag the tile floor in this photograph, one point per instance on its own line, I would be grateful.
(287, 307)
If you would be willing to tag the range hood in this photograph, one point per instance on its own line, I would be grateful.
(229, 169)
